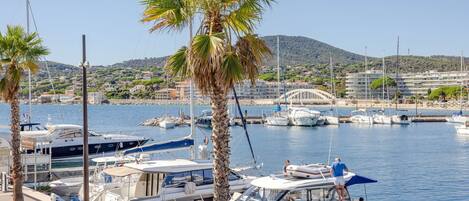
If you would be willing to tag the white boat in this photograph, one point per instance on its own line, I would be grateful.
(167, 122)
(361, 116)
(277, 119)
(321, 121)
(204, 120)
(66, 141)
(463, 129)
(320, 186)
(381, 118)
(159, 180)
(332, 120)
(457, 118)
(302, 116)
(400, 119)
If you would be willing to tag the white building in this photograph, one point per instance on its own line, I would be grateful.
(409, 84)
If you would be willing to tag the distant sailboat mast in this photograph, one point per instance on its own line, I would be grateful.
(366, 74)
(461, 84)
(397, 74)
(278, 69)
(29, 71)
(384, 77)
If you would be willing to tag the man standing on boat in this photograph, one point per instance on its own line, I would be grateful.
(337, 172)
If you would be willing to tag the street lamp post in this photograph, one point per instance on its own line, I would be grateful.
(85, 64)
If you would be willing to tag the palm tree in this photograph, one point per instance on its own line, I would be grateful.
(223, 51)
(19, 52)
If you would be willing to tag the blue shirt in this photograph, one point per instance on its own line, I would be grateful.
(338, 168)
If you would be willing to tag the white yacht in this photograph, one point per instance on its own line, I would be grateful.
(332, 120)
(361, 116)
(321, 121)
(158, 180)
(400, 119)
(277, 119)
(463, 129)
(67, 141)
(381, 118)
(457, 118)
(316, 185)
(204, 120)
(302, 116)
(167, 122)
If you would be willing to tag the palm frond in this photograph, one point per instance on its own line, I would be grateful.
(231, 70)
(244, 14)
(177, 63)
(252, 50)
(167, 14)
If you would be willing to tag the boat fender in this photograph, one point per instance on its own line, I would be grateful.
(189, 188)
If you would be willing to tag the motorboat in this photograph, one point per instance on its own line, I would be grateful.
(457, 118)
(321, 121)
(167, 122)
(204, 120)
(361, 116)
(331, 117)
(66, 141)
(157, 180)
(381, 118)
(463, 129)
(302, 116)
(400, 119)
(277, 119)
(315, 184)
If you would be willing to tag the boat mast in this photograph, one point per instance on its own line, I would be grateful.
(397, 74)
(366, 77)
(29, 71)
(191, 100)
(384, 76)
(278, 69)
(461, 84)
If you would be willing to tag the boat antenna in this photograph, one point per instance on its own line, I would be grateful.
(243, 121)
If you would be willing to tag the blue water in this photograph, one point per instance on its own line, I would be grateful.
(425, 161)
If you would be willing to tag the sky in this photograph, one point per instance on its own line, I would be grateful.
(114, 32)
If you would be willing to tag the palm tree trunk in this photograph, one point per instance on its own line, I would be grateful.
(17, 173)
(220, 139)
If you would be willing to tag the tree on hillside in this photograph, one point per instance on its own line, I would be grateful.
(19, 52)
(223, 51)
(446, 92)
(386, 80)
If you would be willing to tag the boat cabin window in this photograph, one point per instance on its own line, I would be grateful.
(199, 177)
(69, 133)
(261, 194)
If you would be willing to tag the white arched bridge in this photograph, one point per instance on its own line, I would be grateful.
(306, 96)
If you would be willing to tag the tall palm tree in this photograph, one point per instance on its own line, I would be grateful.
(19, 52)
(223, 51)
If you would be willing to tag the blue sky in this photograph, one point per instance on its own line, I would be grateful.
(115, 34)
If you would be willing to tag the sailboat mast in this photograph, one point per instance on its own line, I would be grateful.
(366, 74)
(397, 73)
(278, 69)
(462, 80)
(29, 71)
(191, 100)
(384, 76)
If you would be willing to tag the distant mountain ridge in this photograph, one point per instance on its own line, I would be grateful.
(300, 50)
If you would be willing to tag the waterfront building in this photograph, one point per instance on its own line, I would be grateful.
(409, 84)
(96, 98)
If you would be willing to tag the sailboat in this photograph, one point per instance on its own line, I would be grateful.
(332, 118)
(278, 118)
(362, 116)
(167, 121)
(380, 117)
(459, 117)
(396, 118)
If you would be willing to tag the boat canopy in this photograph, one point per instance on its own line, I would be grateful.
(161, 147)
(357, 179)
(121, 171)
(169, 166)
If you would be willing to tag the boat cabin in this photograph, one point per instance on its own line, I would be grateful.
(287, 188)
(171, 179)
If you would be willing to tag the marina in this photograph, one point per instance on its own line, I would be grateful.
(377, 151)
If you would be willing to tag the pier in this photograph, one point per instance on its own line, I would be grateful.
(346, 119)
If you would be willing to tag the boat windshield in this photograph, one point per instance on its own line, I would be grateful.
(261, 194)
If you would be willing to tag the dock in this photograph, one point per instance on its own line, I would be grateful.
(29, 195)
(346, 119)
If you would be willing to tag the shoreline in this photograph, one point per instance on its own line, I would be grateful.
(342, 103)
